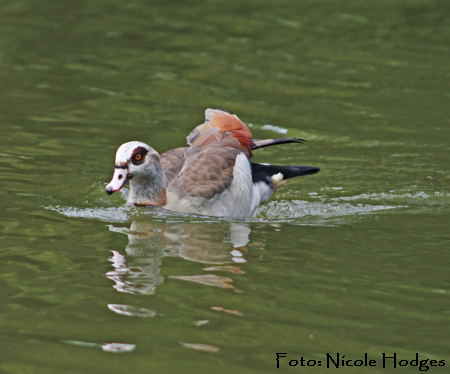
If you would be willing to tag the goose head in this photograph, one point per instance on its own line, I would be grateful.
(138, 161)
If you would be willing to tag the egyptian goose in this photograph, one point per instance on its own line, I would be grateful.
(212, 176)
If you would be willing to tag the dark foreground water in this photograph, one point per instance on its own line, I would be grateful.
(353, 260)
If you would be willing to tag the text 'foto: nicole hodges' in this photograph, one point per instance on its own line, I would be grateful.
(338, 360)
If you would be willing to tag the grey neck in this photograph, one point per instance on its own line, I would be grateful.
(148, 188)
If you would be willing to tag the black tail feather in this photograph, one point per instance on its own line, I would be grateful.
(260, 143)
(264, 172)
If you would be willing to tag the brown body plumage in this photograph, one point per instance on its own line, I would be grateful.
(212, 176)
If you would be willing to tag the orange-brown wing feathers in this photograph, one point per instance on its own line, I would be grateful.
(219, 125)
(205, 168)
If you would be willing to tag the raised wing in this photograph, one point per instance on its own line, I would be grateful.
(219, 125)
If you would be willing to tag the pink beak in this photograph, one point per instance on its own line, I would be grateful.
(120, 177)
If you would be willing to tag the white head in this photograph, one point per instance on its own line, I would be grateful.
(133, 159)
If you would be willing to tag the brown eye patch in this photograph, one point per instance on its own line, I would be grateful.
(138, 156)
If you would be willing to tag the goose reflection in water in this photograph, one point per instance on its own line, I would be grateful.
(137, 269)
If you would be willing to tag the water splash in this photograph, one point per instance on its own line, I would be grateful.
(318, 210)
(297, 209)
(113, 214)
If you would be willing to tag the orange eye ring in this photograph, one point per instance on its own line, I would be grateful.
(138, 157)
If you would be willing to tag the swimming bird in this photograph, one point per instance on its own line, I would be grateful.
(212, 176)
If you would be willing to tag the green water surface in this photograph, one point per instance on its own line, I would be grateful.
(352, 260)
